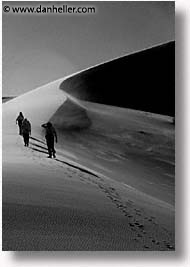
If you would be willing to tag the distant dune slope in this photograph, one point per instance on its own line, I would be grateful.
(37, 105)
(143, 81)
(7, 98)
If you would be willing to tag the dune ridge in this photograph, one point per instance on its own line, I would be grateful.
(144, 80)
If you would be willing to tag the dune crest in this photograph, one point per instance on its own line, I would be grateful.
(144, 80)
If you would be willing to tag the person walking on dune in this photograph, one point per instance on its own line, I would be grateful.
(19, 120)
(26, 131)
(50, 136)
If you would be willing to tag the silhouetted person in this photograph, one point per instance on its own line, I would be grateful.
(26, 131)
(50, 136)
(20, 119)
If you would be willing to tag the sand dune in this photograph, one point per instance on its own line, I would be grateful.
(144, 80)
(112, 184)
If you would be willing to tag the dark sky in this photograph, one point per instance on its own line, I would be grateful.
(38, 49)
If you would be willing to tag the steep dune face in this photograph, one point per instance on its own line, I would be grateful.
(143, 81)
(70, 116)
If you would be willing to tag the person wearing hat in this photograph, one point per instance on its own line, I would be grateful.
(19, 120)
(50, 136)
(26, 131)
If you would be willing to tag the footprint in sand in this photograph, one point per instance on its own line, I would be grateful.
(138, 213)
(120, 206)
(112, 189)
(130, 201)
(137, 210)
(141, 226)
(101, 187)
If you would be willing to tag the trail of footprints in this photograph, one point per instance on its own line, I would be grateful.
(137, 220)
(135, 217)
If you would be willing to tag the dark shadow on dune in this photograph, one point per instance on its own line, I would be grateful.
(64, 162)
(143, 81)
(38, 150)
(36, 139)
(38, 146)
(70, 116)
(77, 167)
(67, 163)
